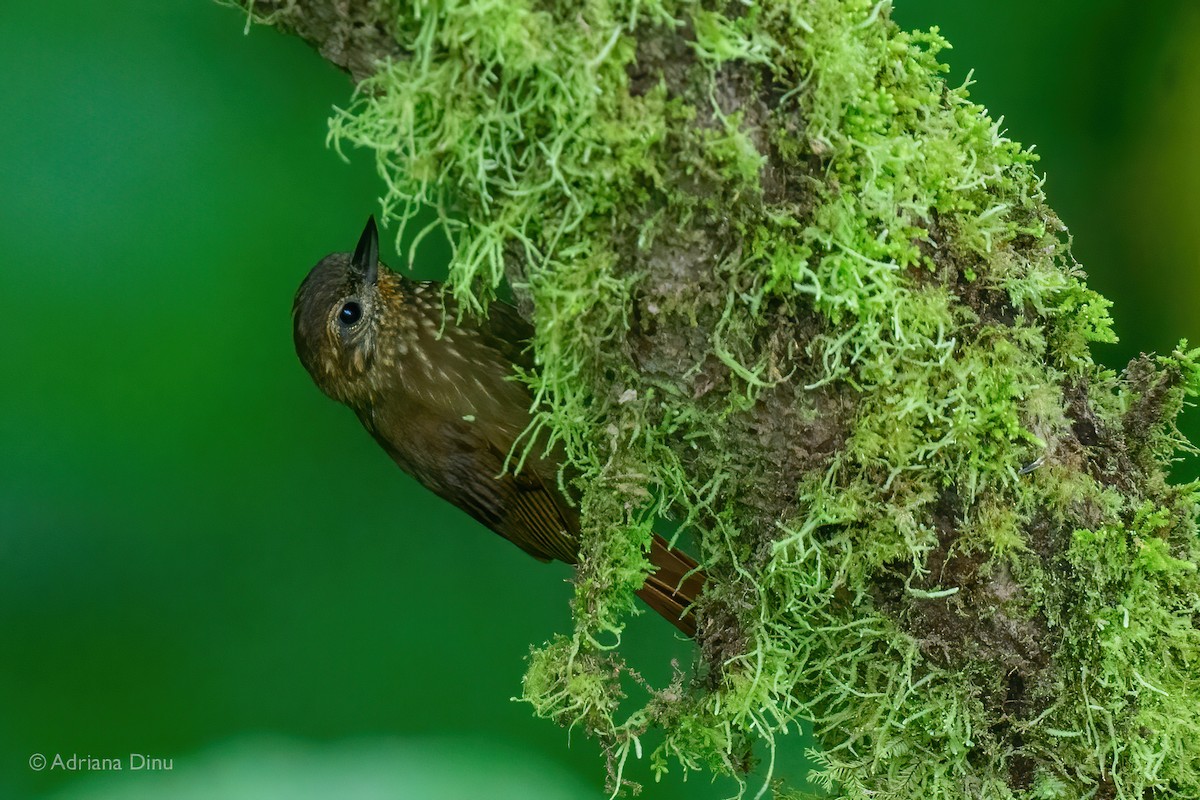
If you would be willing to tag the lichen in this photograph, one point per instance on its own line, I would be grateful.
(793, 290)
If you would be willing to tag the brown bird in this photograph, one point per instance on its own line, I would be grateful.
(440, 398)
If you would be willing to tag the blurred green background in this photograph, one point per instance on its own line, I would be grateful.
(203, 559)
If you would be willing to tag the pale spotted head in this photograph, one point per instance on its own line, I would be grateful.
(337, 317)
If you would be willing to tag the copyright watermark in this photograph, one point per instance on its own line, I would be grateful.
(73, 762)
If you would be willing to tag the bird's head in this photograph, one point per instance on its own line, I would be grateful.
(337, 318)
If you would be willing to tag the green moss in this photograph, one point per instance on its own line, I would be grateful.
(1134, 640)
(956, 494)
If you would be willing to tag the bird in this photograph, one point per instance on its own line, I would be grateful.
(437, 391)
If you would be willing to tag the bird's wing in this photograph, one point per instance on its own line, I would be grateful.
(507, 332)
(526, 508)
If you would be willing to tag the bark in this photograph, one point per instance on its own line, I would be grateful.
(350, 34)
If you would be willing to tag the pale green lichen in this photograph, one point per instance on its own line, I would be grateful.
(977, 583)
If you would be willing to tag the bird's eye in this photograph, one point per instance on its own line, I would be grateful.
(351, 313)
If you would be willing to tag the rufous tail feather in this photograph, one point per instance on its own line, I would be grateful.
(673, 586)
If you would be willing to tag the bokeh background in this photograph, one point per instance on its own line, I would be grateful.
(203, 559)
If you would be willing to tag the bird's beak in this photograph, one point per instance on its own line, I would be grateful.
(366, 256)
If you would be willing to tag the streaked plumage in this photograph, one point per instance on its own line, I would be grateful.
(440, 399)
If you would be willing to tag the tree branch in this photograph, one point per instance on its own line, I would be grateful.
(353, 35)
(791, 288)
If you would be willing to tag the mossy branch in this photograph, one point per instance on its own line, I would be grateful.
(794, 290)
